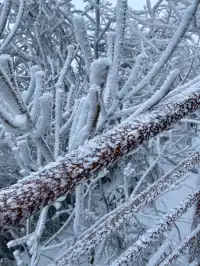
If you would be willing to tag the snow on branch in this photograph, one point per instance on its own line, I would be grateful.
(82, 39)
(153, 234)
(157, 256)
(177, 37)
(185, 244)
(4, 15)
(14, 28)
(56, 179)
(111, 222)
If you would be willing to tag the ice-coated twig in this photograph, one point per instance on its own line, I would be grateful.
(132, 77)
(59, 86)
(66, 126)
(99, 72)
(177, 37)
(158, 95)
(11, 95)
(6, 63)
(26, 155)
(12, 124)
(154, 233)
(18, 256)
(14, 28)
(32, 84)
(45, 116)
(58, 119)
(185, 244)
(39, 90)
(39, 42)
(79, 210)
(4, 15)
(110, 45)
(66, 66)
(111, 89)
(137, 187)
(116, 218)
(32, 239)
(157, 256)
(139, 34)
(82, 39)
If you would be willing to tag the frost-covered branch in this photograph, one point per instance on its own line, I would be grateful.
(153, 234)
(111, 222)
(185, 244)
(177, 37)
(101, 152)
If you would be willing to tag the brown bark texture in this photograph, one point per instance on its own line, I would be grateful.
(30, 194)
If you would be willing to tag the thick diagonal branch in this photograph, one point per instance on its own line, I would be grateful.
(56, 179)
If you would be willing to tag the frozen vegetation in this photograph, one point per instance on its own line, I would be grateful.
(99, 133)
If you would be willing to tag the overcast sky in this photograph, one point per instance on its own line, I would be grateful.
(135, 4)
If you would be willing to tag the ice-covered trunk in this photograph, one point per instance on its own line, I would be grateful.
(31, 194)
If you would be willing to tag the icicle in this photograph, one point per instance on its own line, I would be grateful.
(97, 260)
(92, 110)
(79, 122)
(128, 171)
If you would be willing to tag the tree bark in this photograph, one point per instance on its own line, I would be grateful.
(29, 195)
